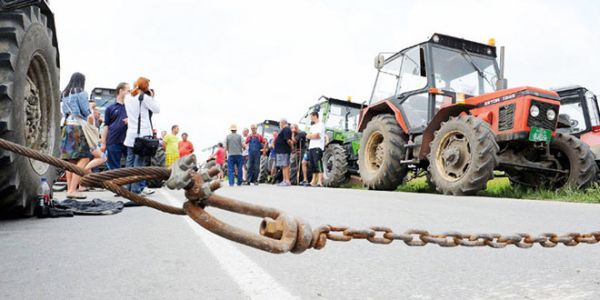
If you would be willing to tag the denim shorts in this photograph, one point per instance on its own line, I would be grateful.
(282, 160)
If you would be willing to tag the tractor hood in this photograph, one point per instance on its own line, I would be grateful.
(508, 94)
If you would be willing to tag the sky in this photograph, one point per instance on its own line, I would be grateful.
(217, 63)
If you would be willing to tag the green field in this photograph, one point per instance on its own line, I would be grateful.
(501, 187)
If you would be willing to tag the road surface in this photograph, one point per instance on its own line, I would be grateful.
(145, 254)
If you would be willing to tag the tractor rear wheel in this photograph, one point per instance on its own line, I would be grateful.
(382, 149)
(463, 156)
(569, 154)
(264, 170)
(335, 163)
(29, 105)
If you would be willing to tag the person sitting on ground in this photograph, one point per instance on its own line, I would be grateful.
(171, 145)
(98, 155)
(185, 146)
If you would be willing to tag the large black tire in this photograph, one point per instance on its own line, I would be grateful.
(335, 163)
(264, 170)
(380, 154)
(573, 155)
(463, 156)
(29, 105)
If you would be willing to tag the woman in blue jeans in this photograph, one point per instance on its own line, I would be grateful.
(140, 105)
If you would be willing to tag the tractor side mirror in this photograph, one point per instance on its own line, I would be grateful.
(379, 61)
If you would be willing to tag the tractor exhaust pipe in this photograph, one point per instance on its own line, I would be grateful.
(502, 82)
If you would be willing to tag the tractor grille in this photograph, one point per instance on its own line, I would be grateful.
(541, 121)
(506, 117)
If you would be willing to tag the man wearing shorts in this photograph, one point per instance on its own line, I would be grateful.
(316, 146)
(283, 148)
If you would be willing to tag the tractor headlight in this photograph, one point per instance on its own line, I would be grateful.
(534, 111)
(551, 114)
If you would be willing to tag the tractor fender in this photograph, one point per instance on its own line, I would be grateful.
(383, 107)
(436, 123)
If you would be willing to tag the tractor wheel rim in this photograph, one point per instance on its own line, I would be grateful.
(374, 151)
(453, 157)
(38, 112)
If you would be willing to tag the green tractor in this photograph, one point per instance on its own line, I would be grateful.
(340, 158)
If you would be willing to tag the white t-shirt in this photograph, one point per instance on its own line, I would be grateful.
(132, 106)
(317, 143)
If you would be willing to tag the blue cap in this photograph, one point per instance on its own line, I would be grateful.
(44, 178)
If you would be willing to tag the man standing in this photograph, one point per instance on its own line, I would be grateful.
(171, 144)
(185, 147)
(115, 129)
(245, 133)
(283, 148)
(255, 143)
(234, 148)
(299, 138)
(315, 149)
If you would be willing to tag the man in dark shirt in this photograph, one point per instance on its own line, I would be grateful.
(283, 148)
(115, 128)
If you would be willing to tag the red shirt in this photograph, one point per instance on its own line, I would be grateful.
(185, 148)
(256, 135)
(220, 156)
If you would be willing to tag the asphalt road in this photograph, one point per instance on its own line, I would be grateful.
(145, 254)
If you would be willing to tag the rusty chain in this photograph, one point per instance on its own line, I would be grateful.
(279, 232)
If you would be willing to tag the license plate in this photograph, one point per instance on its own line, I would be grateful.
(540, 135)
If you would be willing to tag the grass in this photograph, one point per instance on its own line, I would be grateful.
(501, 187)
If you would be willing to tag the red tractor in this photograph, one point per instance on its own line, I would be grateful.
(442, 106)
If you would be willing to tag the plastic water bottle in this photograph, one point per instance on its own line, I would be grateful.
(44, 192)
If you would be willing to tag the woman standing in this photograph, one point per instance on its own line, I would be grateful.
(74, 146)
(139, 106)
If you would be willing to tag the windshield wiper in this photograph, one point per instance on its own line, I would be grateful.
(469, 59)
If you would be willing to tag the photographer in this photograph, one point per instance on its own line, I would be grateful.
(140, 106)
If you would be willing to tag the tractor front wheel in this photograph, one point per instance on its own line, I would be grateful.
(381, 153)
(463, 156)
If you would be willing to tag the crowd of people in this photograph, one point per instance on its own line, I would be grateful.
(90, 141)
(242, 152)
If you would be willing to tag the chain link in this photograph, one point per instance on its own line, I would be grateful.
(420, 238)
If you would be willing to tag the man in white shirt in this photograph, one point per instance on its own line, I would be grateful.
(315, 149)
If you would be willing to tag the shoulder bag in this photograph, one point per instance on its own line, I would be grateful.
(144, 146)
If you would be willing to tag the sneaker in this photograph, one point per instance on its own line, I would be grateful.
(283, 183)
(256, 183)
(305, 183)
(147, 192)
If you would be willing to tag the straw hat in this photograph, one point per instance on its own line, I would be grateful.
(233, 127)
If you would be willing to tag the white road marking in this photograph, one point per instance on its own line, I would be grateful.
(255, 282)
